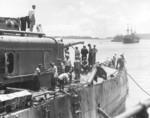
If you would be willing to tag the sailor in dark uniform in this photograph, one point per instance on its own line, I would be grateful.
(100, 73)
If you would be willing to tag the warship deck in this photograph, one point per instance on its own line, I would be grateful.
(85, 79)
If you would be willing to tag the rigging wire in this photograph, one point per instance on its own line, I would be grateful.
(138, 84)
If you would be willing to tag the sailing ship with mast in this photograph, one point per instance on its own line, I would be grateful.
(131, 37)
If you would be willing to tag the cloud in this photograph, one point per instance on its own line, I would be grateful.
(62, 30)
(87, 9)
(83, 17)
(86, 26)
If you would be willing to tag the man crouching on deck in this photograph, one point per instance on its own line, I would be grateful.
(62, 78)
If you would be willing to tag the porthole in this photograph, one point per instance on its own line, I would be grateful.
(10, 61)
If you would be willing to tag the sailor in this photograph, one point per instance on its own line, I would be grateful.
(60, 66)
(67, 63)
(62, 78)
(114, 60)
(122, 55)
(84, 52)
(120, 63)
(77, 68)
(35, 77)
(85, 65)
(77, 52)
(100, 73)
(54, 75)
(32, 17)
(66, 50)
(94, 51)
(90, 55)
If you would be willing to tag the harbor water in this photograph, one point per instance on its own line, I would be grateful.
(137, 63)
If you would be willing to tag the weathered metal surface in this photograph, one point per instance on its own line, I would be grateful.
(27, 53)
(108, 95)
(27, 43)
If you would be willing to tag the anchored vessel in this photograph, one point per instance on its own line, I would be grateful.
(21, 52)
(130, 38)
(117, 38)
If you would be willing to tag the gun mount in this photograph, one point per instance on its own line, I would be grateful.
(73, 43)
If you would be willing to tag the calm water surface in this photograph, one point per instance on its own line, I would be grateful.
(138, 64)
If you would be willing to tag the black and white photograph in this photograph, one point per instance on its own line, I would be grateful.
(74, 58)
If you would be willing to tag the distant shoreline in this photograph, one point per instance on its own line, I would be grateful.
(78, 37)
(142, 36)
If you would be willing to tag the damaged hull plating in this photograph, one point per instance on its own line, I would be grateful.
(110, 95)
(21, 52)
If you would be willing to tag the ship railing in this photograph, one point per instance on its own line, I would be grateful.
(20, 33)
(138, 111)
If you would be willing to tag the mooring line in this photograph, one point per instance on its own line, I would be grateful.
(138, 84)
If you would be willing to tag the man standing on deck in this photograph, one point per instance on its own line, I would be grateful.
(32, 17)
(94, 51)
(120, 63)
(54, 75)
(114, 60)
(85, 65)
(35, 77)
(90, 56)
(67, 63)
(77, 52)
(84, 52)
(77, 68)
(60, 66)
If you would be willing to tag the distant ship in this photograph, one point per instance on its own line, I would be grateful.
(130, 38)
(117, 38)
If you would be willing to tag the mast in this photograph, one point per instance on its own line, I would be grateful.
(128, 29)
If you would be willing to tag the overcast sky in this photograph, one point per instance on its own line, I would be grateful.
(97, 18)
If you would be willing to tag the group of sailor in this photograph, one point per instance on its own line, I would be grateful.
(85, 54)
(84, 59)
(116, 62)
(62, 73)
(55, 78)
